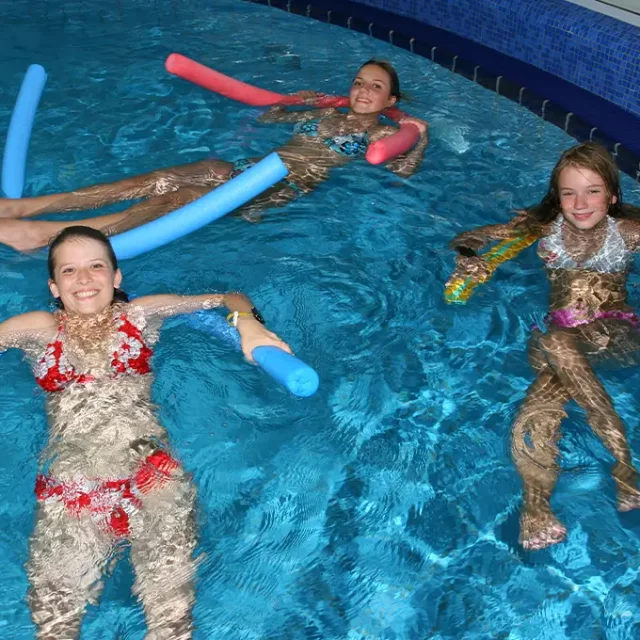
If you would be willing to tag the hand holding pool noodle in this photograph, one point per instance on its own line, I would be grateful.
(299, 378)
(459, 290)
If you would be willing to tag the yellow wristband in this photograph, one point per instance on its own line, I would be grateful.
(232, 318)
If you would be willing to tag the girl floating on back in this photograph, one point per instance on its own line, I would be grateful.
(323, 140)
(109, 473)
(587, 238)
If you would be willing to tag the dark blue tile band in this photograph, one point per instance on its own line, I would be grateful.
(552, 97)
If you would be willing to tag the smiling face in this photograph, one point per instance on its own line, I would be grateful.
(83, 276)
(584, 197)
(371, 90)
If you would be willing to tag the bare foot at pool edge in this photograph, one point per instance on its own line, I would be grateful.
(540, 530)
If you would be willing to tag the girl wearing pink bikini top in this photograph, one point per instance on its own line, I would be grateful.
(586, 241)
(109, 474)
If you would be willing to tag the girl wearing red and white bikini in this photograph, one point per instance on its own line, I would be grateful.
(109, 475)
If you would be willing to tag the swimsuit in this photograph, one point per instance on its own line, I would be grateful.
(575, 316)
(350, 145)
(108, 502)
(613, 257)
(53, 372)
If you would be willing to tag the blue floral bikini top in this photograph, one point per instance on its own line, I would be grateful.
(350, 145)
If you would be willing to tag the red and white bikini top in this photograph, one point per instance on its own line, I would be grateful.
(53, 372)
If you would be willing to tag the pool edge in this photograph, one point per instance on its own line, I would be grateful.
(579, 113)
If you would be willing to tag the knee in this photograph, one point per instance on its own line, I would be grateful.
(521, 442)
(162, 183)
(536, 433)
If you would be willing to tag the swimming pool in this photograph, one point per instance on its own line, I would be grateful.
(386, 505)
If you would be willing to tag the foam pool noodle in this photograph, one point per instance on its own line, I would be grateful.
(459, 290)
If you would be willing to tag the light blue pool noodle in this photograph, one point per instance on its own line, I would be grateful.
(298, 377)
(294, 374)
(14, 161)
(206, 209)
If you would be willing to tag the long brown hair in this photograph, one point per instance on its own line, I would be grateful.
(587, 155)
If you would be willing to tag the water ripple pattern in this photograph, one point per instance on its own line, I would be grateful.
(386, 506)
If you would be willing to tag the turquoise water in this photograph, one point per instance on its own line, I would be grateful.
(386, 505)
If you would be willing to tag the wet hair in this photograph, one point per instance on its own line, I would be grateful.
(86, 233)
(587, 155)
(394, 83)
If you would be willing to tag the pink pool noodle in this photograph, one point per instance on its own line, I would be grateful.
(378, 152)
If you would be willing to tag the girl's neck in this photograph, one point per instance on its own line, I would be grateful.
(87, 323)
(89, 330)
(368, 120)
(586, 233)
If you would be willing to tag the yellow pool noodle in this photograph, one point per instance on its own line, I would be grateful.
(460, 289)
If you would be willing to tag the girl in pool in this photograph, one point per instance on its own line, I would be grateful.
(323, 139)
(109, 475)
(586, 241)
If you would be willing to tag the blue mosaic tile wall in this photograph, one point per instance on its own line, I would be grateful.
(596, 52)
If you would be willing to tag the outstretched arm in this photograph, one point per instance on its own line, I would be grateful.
(407, 164)
(19, 331)
(280, 113)
(476, 239)
(243, 315)
(468, 263)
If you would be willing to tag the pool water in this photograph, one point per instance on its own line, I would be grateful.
(385, 506)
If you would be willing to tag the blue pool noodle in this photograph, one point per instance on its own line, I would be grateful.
(14, 161)
(299, 378)
(206, 209)
(294, 374)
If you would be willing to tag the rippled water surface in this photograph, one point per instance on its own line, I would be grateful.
(386, 505)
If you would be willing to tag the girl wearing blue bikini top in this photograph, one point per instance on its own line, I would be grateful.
(587, 238)
(323, 140)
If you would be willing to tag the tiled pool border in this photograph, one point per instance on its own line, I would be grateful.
(581, 114)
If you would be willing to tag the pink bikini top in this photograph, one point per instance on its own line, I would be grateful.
(53, 371)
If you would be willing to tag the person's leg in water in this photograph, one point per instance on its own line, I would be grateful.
(564, 373)
(564, 354)
(25, 235)
(164, 190)
(163, 539)
(156, 183)
(68, 556)
(534, 447)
